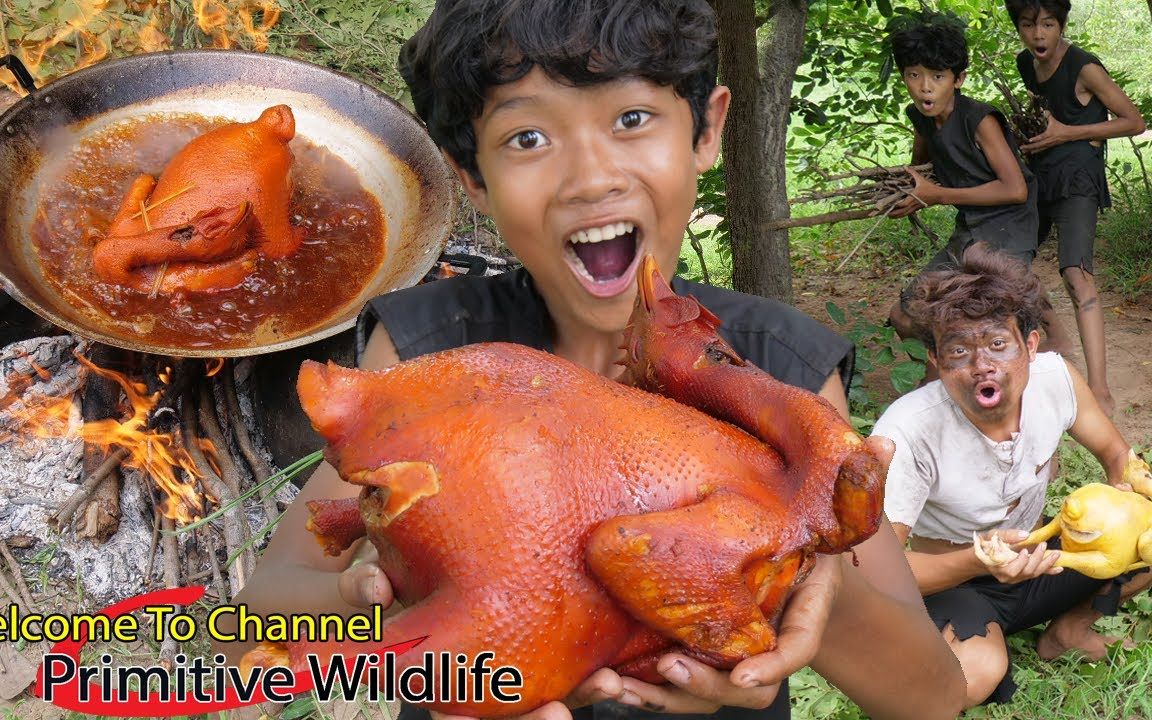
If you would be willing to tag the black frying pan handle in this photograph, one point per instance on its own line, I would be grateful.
(22, 75)
(476, 265)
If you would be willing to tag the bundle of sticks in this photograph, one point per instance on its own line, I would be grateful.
(1026, 119)
(1025, 122)
(877, 191)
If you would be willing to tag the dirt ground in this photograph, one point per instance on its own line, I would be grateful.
(1127, 329)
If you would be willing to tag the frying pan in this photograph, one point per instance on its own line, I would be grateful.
(385, 145)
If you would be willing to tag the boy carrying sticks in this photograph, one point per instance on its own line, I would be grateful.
(1068, 159)
(973, 156)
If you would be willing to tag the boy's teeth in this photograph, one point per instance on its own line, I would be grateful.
(578, 263)
(607, 232)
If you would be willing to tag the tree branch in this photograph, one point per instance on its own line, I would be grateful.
(825, 219)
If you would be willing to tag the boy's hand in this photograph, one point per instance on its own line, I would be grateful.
(1011, 566)
(694, 687)
(364, 584)
(601, 685)
(922, 195)
(1137, 475)
(755, 681)
(1057, 133)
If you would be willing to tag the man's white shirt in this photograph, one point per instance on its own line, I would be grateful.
(948, 480)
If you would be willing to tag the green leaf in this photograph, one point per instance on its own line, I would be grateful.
(915, 349)
(39, 34)
(906, 375)
(268, 487)
(299, 708)
(1100, 672)
(835, 313)
(886, 69)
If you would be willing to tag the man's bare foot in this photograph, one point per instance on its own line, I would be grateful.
(1104, 398)
(1058, 639)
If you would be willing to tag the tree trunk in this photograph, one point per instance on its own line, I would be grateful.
(754, 139)
(780, 57)
(1150, 6)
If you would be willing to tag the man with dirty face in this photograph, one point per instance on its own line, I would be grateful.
(975, 454)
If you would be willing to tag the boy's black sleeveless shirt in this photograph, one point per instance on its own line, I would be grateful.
(506, 308)
(444, 314)
(1074, 168)
(958, 162)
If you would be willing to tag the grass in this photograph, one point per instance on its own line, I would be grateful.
(1123, 249)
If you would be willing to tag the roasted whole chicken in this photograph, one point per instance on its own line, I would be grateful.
(567, 522)
(221, 202)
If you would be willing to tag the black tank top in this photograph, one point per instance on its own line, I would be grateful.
(1073, 168)
(461, 310)
(958, 162)
(506, 308)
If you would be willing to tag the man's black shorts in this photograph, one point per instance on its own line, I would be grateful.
(971, 606)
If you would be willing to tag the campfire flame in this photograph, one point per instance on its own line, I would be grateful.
(446, 271)
(158, 454)
(74, 29)
(227, 21)
(84, 32)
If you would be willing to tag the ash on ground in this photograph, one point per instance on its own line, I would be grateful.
(38, 475)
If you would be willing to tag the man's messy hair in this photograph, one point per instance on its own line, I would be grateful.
(469, 46)
(1030, 9)
(931, 39)
(988, 285)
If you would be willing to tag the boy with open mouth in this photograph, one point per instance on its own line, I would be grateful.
(581, 128)
(1068, 159)
(973, 155)
(975, 453)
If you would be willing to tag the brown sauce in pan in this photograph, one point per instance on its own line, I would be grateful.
(343, 245)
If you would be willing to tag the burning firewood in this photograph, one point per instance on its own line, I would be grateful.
(256, 464)
(877, 192)
(134, 441)
(43, 382)
(235, 526)
(100, 517)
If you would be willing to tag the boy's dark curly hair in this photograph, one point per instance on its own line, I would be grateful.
(988, 285)
(1030, 9)
(933, 40)
(469, 46)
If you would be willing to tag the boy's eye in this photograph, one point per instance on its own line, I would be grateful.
(528, 140)
(632, 119)
(998, 344)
